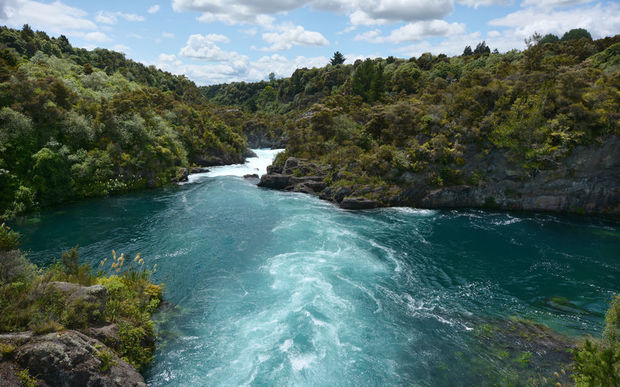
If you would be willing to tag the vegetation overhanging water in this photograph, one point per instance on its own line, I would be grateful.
(274, 287)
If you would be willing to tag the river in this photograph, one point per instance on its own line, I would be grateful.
(277, 288)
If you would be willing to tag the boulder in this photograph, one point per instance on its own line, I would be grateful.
(70, 358)
(290, 165)
(274, 181)
(251, 176)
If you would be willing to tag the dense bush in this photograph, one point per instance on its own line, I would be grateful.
(445, 117)
(597, 363)
(77, 123)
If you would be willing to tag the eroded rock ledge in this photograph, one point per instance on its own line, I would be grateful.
(586, 182)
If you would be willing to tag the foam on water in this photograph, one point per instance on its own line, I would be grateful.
(253, 165)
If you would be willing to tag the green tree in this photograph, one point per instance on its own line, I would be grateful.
(51, 177)
(368, 80)
(337, 59)
(482, 48)
(468, 51)
(575, 34)
(549, 38)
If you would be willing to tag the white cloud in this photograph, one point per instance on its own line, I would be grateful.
(153, 9)
(412, 32)
(553, 3)
(478, 3)
(204, 47)
(289, 35)
(249, 31)
(54, 17)
(107, 17)
(238, 70)
(361, 12)
(96, 36)
(600, 20)
(452, 45)
(167, 57)
(121, 48)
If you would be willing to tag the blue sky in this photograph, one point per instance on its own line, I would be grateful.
(215, 41)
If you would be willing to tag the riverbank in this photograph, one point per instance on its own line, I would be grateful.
(72, 324)
(586, 182)
(280, 288)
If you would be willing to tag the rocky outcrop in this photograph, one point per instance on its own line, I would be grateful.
(83, 357)
(296, 175)
(219, 158)
(68, 358)
(262, 140)
(587, 181)
(182, 175)
(198, 170)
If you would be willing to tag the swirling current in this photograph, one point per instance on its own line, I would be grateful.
(276, 288)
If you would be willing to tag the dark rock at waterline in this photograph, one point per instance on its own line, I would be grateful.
(296, 175)
(250, 153)
(199, 170)
(585, 182)
(251, 176)
(218, 159)
(274, 181)
(358, 203)
(182, 175)
(274, 169)
(69, 358)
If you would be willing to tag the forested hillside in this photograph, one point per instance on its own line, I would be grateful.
(469, 130)
(76, 123)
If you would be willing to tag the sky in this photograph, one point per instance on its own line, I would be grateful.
(218, 41)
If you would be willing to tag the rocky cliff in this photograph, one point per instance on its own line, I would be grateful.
(587, 181)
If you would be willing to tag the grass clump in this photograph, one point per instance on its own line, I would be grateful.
(26, 379)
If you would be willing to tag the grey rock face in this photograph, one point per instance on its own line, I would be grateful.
(587, 181)
(70, 358)
(358, 204)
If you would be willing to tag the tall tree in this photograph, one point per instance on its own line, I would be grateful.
(337, 59)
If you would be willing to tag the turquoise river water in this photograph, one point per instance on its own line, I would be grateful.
(276, 288)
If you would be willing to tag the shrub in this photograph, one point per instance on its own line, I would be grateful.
(9, 240)
(26, 379)
(597, 363)
(106, 358)
(6, 350)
